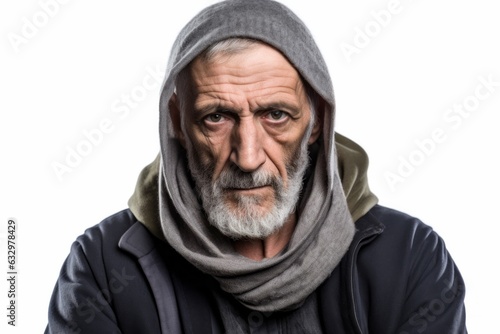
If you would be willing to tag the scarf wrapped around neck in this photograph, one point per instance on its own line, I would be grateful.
(322, 236)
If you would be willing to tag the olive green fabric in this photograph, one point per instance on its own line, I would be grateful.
(352, 163)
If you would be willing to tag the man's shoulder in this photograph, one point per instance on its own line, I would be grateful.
(393, 222)
(401, 239)
(110, 228)
(396, 235)
(104, 237)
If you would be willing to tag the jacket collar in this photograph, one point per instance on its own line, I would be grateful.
(183, 306)
(137, 241)
(368, 227)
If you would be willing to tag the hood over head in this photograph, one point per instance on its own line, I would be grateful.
(167, 204)
(264, 20)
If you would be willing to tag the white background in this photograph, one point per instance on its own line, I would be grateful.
(66, 78)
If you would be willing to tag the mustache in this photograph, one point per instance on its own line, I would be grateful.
(234, 178)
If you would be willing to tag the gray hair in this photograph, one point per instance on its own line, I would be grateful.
(228, 47)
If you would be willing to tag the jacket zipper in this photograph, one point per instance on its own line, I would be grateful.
(369, 236)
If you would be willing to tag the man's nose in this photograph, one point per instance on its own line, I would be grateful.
(247, 147)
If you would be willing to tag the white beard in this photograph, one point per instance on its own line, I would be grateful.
(246, 220)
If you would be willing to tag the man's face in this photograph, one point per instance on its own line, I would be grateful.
(244, 131)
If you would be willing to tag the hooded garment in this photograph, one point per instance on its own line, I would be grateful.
(167, 204)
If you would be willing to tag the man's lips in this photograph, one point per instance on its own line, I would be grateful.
(250, 189)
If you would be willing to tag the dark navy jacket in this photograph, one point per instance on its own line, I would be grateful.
(397, 277)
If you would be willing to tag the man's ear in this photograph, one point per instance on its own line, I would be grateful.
(175, 116)
(316, 130)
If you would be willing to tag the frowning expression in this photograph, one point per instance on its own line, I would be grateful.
(247, 111)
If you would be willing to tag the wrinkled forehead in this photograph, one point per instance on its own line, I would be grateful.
(222, 51)
(235, 69)
(242, 54)
(221, 54)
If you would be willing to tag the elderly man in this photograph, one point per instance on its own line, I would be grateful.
(255, 217)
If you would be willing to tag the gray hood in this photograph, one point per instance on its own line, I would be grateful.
(268, 21)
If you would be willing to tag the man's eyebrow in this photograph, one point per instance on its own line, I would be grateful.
(279, 105)
(213, 107)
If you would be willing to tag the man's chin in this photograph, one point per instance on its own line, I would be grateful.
(248, 208)
(247, 233)
(245, 222)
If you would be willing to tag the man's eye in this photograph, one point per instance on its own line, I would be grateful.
(277, 115)
(214, 118)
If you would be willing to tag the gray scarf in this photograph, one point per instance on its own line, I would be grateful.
(322, 236)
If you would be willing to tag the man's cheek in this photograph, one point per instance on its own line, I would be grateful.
(291, 156)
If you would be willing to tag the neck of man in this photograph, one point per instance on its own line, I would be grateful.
(260, 249)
